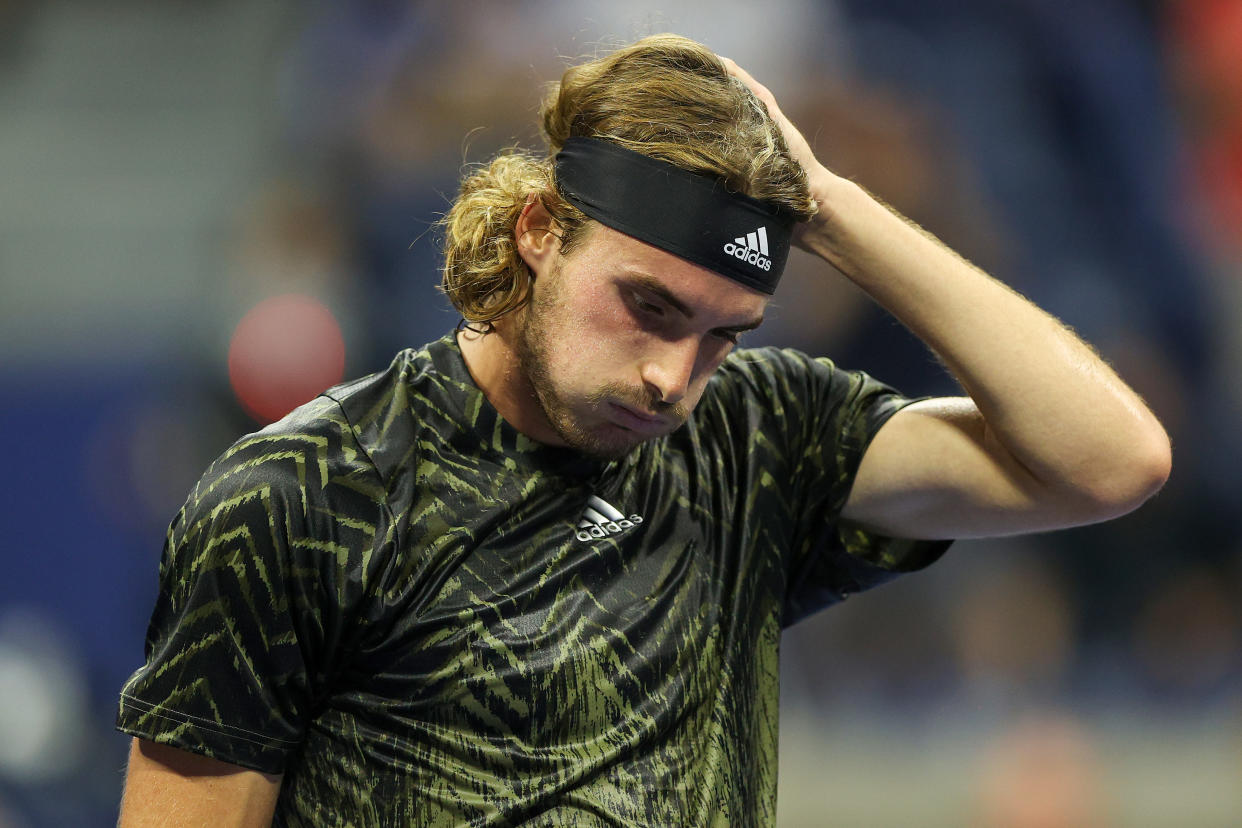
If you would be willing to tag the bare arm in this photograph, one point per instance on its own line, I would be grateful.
(166, 786)
(1049, 437)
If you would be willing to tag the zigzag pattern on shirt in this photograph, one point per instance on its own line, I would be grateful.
(280, 525)
(384, 597)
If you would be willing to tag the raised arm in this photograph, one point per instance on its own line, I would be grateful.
(168, 787)
(1049, 437)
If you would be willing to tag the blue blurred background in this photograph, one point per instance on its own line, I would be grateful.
(178, 180)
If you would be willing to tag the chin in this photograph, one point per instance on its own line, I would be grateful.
(605, 449)
(605, 442)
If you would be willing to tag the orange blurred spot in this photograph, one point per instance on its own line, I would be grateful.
(285, 351)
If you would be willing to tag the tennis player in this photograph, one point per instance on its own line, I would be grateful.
(536, 572)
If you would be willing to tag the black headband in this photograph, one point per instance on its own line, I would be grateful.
(687, 214)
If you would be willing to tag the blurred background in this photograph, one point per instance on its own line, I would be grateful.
(211, 210)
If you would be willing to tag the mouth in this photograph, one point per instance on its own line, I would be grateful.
(636, 420)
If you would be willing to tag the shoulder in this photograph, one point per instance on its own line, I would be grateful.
(296, 497)
(755, 395)
(786, 372)
(306, 450)
(770, 374)
(293, 472)
(385, 412)
(809, 400)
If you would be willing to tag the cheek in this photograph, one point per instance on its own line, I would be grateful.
(702, 374)
(605, 333)
(711, 355)
(589, 342)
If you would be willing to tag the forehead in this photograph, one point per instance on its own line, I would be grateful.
(610, 253)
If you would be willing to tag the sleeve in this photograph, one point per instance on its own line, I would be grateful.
(822, 419)
(261, 572)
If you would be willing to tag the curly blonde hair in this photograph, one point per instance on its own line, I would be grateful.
(665, 96)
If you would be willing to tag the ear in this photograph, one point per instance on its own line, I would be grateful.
(537, 236)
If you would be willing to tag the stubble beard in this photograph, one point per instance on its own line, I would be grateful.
(534, 336)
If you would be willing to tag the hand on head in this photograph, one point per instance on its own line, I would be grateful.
(798, 146)
(819, 177)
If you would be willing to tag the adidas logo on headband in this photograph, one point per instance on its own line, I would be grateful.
(683, 212)
(751, 248)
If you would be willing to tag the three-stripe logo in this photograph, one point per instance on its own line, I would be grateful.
(751, 248)
(601, 519)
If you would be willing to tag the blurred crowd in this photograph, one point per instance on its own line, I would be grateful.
(1089, 154)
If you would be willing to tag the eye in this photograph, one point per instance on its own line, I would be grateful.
(649, 308)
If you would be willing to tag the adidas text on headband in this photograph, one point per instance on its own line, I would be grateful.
(687, 214)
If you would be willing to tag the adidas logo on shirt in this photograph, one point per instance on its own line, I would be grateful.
(751, 248)
(600, 519)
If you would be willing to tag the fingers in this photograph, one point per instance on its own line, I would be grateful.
(761, 92)
(792, 136)
(798, 146)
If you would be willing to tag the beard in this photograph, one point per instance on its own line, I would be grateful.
(604, 441)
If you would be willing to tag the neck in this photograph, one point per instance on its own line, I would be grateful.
(494, 365)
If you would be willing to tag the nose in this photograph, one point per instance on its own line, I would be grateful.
(669, 371)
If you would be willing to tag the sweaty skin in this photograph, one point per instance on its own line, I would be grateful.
(1049, 437)
(616, 345)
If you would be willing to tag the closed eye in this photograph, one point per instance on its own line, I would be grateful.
(656, 312)
(646, 307)
(734, 334)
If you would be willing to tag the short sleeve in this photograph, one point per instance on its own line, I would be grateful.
(261, 573)
(816, 421)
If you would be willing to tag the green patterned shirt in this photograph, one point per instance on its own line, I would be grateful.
(421, 617)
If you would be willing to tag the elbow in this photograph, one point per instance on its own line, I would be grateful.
(1127, 479)
(1148, 471)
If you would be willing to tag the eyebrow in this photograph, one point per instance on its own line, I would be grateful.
(650, 284)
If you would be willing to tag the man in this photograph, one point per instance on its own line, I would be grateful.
(536, 572)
